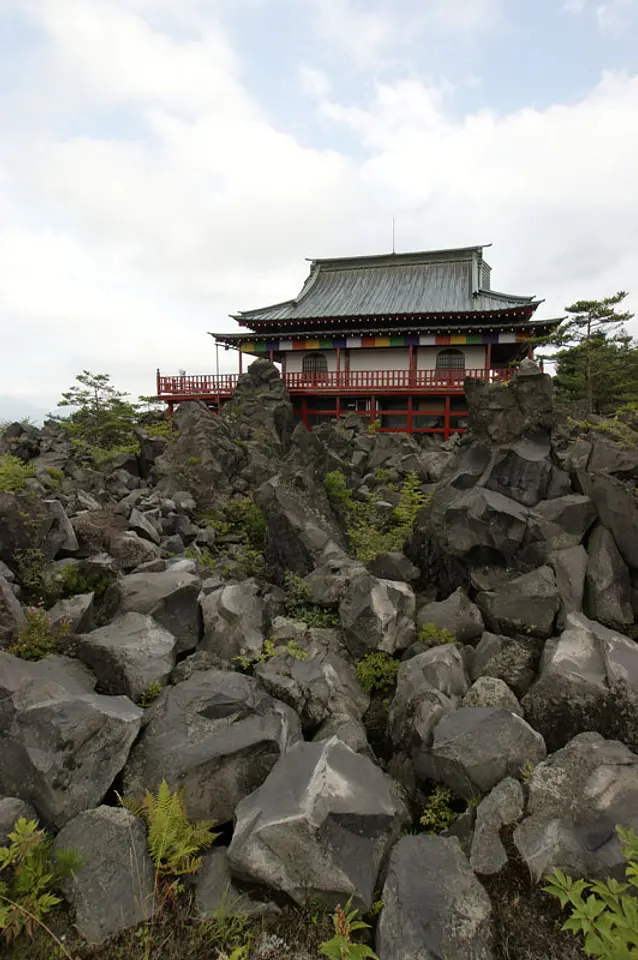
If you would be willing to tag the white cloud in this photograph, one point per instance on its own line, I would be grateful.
(611, 14)
(119, 251)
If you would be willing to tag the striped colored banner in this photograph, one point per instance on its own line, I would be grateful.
(354, 343)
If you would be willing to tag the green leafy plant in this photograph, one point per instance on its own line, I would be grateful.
(608, 917)
(174, 843)
(377, 672)
(371, 532)
(14, 473)
(29, 879)
(38, 638)
(300, 607)
(437, 814)
(341, 946)
(374, 426)
(272, 647)
(151, 693)
(527, 771)
(227, 927)
(433, 636)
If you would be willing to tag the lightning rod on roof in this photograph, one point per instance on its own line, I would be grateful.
(393, 235)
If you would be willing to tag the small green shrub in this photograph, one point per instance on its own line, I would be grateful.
(71, 581)
(29, 879)
(56, 476)
(608, 917)
(271, 648)
(100, 456)
(37, 638)
(14, 473)
(437, 814)
(227, 927)
(163, 428)
(174, 843)
(341, 946)
(299, 606)
(377, 672)
(433, 636)
(151, 693)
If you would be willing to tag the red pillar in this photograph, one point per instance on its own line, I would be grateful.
(410, 413)
(488, 362)
(271, 355)
(338, 406)
(530, 352)
(241, 361)
(338, 362)
(446, 425)
(373, 409)
(170, 409)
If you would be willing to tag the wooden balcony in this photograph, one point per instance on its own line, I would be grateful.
(344, 383)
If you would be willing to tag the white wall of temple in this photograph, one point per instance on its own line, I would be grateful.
(294, 359)
(380, 358)
(474, 356)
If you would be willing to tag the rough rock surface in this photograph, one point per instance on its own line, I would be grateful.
(61, 747)
(217, 735)
(457, 614)
(319, 827)
(433, 905)
(169, 597)
(503, 807)
(129, 655)
(113, 889)
(377, 615)
(576, 798)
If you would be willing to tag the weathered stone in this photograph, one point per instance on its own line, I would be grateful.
(301, 534)
(131, 551)
(140, 524)
(528, 604)
(428, 686)
(113, 889)
(513, 661)
(394, 566)
(61, 747)
(234, 620)
(217, 735)
(491, 692)
(129, 655)
(570, 567)
(475, 748)
(320, 826)
(609, 457)
(576, 799)
(503, 414)
(12, 617)
(523, 471)
(478, 525)
(77, 612)
(433, 905)
(315, 682)
(504, 806)
(617, 508)
(215, 892)
(457, 614)
(607, 584)
(61, 538)
(170, 597)
(564, 521)
(327, 584)
(377, 615)
(24, 526)
(13, 809)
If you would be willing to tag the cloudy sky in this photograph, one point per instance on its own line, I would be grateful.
(163, 163)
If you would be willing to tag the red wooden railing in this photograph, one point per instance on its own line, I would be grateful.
(353, 381)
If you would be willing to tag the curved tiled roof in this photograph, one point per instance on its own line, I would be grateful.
(399, 284)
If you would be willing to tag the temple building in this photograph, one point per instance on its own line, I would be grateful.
(392, 338)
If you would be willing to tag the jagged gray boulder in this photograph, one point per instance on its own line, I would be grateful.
(170, 597)
(130, 551)
(140, 523)
(11, 810)
(522, 471)
(502, 416)
(491, 692)
(114, 888)
(216, 894)
(377, 615)
(617, 507)
(457, 614)
(394, 566)
(478, 525)
(503, 807)
(61, 746)
(433, 905)
(316, 682)
(24, 525)
(61, 538)
(587, 674)
(576, 798)
(129, 654)
(513, 660)
(217, 735)
(319, 827)
(475, 748)
(607, 584)
(235, 620)
(78, 613)
(564, 521)
(12, 617)
(528, 604)
(570, 568)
